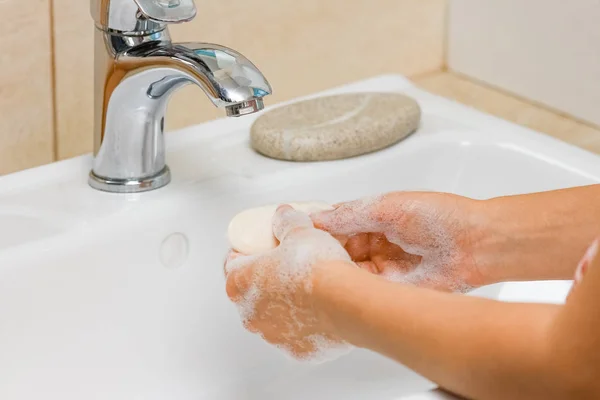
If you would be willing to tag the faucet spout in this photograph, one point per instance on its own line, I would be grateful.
(134, 82)
(227, 77)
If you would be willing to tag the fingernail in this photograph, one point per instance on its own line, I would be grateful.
(284, 207)
(321, 213)
(589, 256)
(231, 265)
(320, 217)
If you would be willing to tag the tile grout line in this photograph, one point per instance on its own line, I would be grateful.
(446, 68)
(589, 142)
(425, 75)
(55, 147)
(531, 102)
(446, 36)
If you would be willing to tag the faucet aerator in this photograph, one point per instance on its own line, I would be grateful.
(245, 108)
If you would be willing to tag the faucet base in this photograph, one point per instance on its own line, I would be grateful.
(130, 185)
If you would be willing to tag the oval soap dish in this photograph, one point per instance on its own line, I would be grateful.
(335, 127)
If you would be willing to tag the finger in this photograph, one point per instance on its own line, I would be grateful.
(358, 247)
(342, 239)
(249, 326)
(388, 256)
(590, 259)
(238, 273)
(238, 283)
(360, 216)
(286, 220)
(368, 266)
(232, 255)
(237, 260)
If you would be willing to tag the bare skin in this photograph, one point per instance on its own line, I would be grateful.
(477, 348)
(472, 243)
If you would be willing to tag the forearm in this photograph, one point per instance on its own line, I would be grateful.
(537, 236)
(473, 347)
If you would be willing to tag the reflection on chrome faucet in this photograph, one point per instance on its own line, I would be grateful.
(137, 69)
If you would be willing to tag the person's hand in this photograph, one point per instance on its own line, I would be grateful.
(421, 238)
(273, 290)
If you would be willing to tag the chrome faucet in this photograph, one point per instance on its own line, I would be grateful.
(137, 69)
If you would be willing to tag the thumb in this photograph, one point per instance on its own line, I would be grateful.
(287, 220)
(360, 216)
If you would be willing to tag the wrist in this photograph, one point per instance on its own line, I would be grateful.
(477, 244)
(502, 236)
(335, 287)
(508, 235)
(529, 237)
(489, 244)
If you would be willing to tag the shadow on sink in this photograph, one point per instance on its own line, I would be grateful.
(19, 229)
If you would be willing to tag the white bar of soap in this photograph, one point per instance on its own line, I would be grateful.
(251, 231)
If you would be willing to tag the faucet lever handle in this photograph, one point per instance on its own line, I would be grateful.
(167, 11)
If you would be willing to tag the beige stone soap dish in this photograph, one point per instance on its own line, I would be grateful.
(335, 127)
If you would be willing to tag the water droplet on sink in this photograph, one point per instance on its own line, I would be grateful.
(174, 250)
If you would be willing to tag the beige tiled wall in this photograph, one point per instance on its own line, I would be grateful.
(302, 46)
(26, 120)
(544, 50)
(506, 106)
(74, 60)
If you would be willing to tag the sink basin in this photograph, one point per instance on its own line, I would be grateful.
(108, 296)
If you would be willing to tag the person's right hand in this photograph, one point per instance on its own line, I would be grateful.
(274, 290)
(421, 238)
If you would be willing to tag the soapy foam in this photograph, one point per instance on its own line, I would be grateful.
(433, 241)
(284, 272)
(414, 226)
(287, 220)
(327, 350)
(247, 305)
(323, 350)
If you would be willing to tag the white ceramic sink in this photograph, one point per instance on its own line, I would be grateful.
(106, 296)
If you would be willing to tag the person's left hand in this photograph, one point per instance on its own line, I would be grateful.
(426, 239)
(274, 290)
